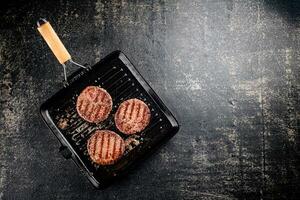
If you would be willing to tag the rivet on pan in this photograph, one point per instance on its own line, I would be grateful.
(144, 99)
(156, 114)
(132, 84)
(160, 119)
(152, 110)
(129, 79)
(114, 67)
(137, 89)
(96, 81)
(160, 127)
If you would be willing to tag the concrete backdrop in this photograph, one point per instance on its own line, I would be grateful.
(228, 70)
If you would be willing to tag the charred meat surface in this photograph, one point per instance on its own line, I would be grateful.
(105, 147)
(132, 116)
(94, 104)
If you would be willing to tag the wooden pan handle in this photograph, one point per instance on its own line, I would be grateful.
(54, 42)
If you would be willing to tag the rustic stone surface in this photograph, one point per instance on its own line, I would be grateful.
(228, 69)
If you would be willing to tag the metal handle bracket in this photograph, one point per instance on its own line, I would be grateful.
(55, 44)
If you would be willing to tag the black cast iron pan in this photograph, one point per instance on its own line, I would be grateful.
(116, 74)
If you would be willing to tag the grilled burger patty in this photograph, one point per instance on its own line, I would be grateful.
(94, 104)
(105, 147)
(132, 116)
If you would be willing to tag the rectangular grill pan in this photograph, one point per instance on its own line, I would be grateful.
(116, 74)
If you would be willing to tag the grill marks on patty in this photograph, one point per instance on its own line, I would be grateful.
(132, 116)
(105, 147)
(94, 104)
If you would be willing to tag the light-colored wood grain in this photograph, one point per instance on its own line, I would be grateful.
(54, 43)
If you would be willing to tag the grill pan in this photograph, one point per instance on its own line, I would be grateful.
(116, 74)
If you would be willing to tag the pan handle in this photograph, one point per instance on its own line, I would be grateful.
(55, 44)
(53, 41)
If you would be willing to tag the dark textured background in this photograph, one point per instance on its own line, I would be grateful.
(228, 69)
